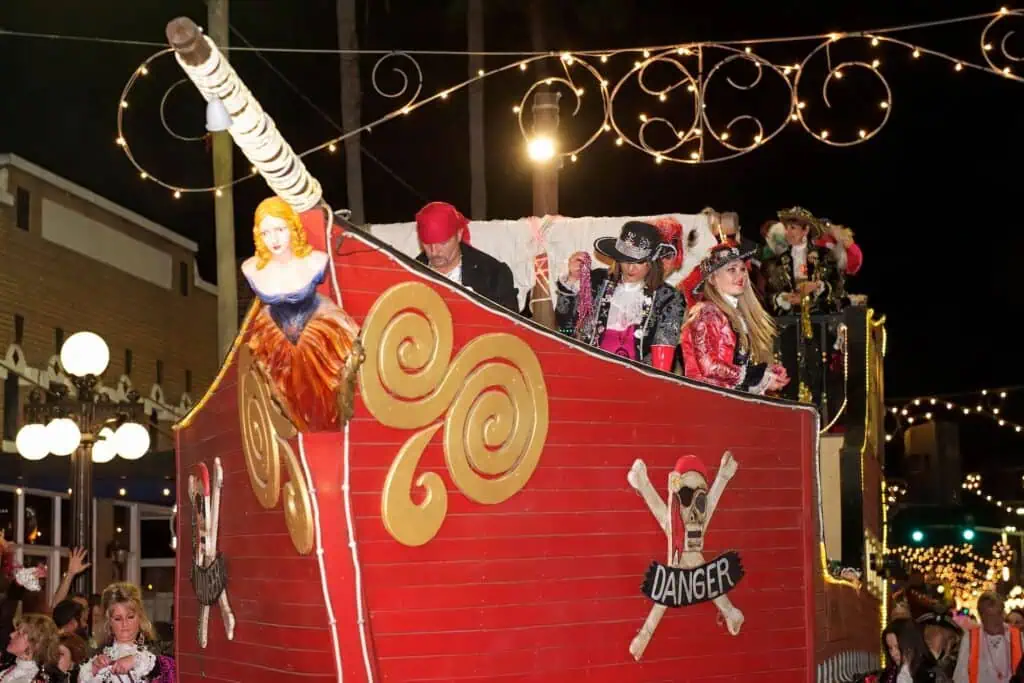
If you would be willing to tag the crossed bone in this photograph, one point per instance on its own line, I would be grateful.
(206, 553)
(688, 559)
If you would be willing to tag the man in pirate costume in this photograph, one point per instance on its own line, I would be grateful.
(801, 279)
(444, 238)
(627, 310)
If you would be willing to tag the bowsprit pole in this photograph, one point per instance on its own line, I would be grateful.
(251, 128)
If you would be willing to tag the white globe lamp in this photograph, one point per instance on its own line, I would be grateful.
(84, 353)
(103, 449)
(131, 440)
(62, 436)
(32, 443)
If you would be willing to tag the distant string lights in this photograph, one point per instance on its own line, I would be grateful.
(972, 484)
(986, 403)
(964, 573)
(693, 68)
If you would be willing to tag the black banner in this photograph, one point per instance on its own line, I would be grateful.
(678, 587)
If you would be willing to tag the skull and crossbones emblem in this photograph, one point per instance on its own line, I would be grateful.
(684, 517)
(209, 570)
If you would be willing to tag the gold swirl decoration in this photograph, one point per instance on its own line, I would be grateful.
(265, 433)
(492, 396)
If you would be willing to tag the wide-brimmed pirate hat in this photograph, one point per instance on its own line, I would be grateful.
(638, 242)
(802, 216)
(943, 620)
(720, 255)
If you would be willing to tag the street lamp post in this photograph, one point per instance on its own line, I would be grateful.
(84, 424)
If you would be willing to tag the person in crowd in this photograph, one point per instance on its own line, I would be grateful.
(72, 652)
(76, 565)
(942, 636)
(31, 649)
(728, 338)
(444, 239)
(1015, 617)
(991, 653)
(302, 338)
(24, 588)
(127, 636)
(627, 310)
(891, 649)
(917, 665)
(69, 617)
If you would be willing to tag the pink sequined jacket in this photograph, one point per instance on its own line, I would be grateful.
(710, 353)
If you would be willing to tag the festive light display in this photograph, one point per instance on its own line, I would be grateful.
(689, 71)
(986, 403)
(963, 574)
(972, 483)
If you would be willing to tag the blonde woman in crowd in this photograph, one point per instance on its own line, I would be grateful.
(32, 648)
(127, 636)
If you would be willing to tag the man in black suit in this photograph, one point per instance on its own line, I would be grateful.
(444, 239)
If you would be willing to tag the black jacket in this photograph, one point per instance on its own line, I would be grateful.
(487, 276)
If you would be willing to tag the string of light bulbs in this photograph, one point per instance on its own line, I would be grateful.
(972, 483)
(696, 66)
(965, 573)
(927, 408)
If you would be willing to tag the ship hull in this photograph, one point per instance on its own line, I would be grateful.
(330, 578)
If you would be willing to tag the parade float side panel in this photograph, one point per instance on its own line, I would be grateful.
(536, 577)
(850, 607)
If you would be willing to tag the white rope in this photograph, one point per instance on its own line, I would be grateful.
(254, 131)
(346, 492)
(332, 622)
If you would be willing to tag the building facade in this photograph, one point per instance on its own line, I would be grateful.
(71, 260)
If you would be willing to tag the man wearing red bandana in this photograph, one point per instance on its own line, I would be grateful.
(444, 239)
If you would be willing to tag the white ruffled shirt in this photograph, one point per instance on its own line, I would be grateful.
(627, 306)
(23, 671)
(144, 663)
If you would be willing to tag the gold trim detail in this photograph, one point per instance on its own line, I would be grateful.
(265, 432)
(492, 397)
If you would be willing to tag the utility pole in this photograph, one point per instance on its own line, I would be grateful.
(545, 199)
(224, 202)
(477, 153)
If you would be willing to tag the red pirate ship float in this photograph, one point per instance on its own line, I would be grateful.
(392, 479)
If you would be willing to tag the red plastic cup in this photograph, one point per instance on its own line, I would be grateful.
(662, 356)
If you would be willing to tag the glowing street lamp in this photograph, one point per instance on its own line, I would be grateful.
(80, 423)
(541, 148)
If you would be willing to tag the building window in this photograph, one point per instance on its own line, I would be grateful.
(188, 381)
(58, 338)
(23, 208)
(183, 278)
(160, 372)
(128, 361)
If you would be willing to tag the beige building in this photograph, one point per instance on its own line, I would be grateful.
(71, 260)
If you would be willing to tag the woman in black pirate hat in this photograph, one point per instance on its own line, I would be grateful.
(627, 310)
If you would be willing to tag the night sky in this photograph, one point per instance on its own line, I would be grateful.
(934, 199)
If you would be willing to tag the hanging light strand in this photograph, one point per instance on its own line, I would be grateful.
(988, 403)
(698, 141)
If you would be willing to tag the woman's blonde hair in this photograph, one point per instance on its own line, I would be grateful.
(123, 594)
(42, 637)
(278, 208)
(759, 337)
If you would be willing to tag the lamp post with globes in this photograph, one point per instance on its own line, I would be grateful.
(84, 424)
